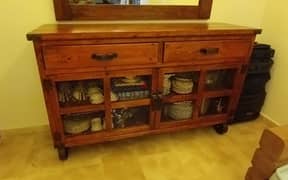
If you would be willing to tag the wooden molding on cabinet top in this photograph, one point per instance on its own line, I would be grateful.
(66, 11)
(136, 30)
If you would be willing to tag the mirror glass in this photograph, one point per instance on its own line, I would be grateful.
(137, 2)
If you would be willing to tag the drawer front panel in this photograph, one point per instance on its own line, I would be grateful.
(206, 50)
(83, 56)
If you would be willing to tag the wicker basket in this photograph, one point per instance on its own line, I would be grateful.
(182, 85)
(76, 126)
(182, 110)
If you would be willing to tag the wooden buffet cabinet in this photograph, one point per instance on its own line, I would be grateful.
(104, 82)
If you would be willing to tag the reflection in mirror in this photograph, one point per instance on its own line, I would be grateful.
(136, 2)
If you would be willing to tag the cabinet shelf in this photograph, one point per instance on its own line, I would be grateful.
(173, 97)
(114, 131)
(192, 123)
(225, 92)
(176, 123)
(95, 137)
(213, 117)
(131, 103)
(136, 128)
(86, 133)
(81, 108)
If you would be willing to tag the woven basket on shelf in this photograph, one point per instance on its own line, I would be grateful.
(76, 126)
(181, 110)
(182, 85)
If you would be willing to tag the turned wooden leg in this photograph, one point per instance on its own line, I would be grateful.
(221, 128)
(62, 153)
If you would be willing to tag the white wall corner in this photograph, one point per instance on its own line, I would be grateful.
(269, 119)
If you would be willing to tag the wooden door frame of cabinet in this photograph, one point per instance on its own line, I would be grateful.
(58, 132)
(139, 72)
(106, 77)
(64, 11)
(157, 74)
(200, 90)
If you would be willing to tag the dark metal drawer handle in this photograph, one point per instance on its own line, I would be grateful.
(209, 51)
(104, 57)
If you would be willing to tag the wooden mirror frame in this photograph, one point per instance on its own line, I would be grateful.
(64, 11)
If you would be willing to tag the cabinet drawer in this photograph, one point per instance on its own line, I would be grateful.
(82, 56)
(206, 50)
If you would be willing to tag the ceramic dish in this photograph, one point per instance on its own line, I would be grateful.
(182, 110)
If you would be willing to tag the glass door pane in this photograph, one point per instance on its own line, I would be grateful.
(180, 83)
(130, 88)
(81, 92)
(177, 111)
(129, 117)
(83, 123)
(214, 105)
(220, 79)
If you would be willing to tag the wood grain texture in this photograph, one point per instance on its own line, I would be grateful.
(66, 11)
(63, 32)
(57, 57)
(205, 9)
(75, 52)
(134, 12)
(62, 10)
(199, 50)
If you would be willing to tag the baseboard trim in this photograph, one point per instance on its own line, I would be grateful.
(269, 119)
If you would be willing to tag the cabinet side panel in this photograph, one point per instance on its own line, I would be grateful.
(47, 90)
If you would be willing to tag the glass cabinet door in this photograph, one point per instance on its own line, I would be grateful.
(130, 117)
(81, 106)
(177, 111)
(81, 92)
(179, 95)
(220, 79)
(83, 123)
(131, 99)
(214, 105)
(131, 88)
(119, 101)
(217, 90)
(181, 83)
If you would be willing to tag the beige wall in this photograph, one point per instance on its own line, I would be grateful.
(275, 29)
(241, 12)
(21, 98)
(21, 102)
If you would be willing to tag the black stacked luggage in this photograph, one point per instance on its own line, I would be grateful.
(253, 93)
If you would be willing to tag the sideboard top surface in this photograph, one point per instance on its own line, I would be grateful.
(133, 30)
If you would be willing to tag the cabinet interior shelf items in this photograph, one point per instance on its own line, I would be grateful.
(102, 85)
